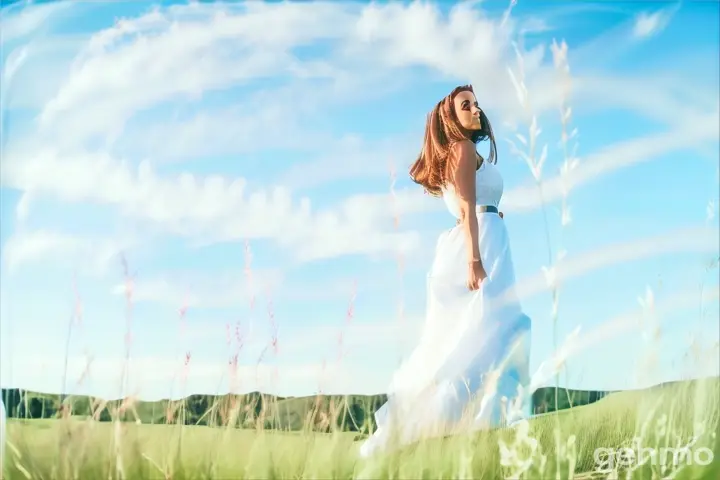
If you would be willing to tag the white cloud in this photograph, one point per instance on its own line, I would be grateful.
(100, 96)
(228, 48)
(215, 208)
(663, 97)
(235, 130)
(650, 24)
(352, 157)
(614, 157)
(29, 20)
(33, 71)
(592, 344)
(225, 131)
(700, 239)
(91, 254)
(142, 62)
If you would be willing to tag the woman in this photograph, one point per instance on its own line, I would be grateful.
(474, 350)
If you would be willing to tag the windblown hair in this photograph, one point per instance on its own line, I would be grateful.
(443, 129)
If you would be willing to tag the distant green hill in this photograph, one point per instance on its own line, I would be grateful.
(665, 418)
(252, 410)
(352, 412)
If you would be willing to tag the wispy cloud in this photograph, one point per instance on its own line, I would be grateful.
(89, 254)
(614, 157)
(26, 19)
(94, 104)
(650, 24)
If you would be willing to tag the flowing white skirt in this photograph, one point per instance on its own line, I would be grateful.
(473, 353)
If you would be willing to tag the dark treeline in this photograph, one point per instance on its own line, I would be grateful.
(543, 399)
(252, 410)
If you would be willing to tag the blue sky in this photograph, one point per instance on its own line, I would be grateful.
(241, 160)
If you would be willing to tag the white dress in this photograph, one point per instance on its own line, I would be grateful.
(446, 384)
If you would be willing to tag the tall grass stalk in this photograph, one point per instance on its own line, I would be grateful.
(536, 164)
(75, 319)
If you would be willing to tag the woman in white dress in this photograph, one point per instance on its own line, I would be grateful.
(473, 354)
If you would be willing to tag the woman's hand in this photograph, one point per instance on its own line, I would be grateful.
(476, 275)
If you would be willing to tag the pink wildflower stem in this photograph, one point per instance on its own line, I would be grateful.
(274, 335)
(349, 315)
(233, 367)
(249, 280)
(258, 363)
(186, 370)
(183, 316)
(182, 325)
(86, 371)
(233, 362)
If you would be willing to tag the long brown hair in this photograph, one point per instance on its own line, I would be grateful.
(442, 130)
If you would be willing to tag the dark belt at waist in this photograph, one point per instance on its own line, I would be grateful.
(486, 209)
(482, 209)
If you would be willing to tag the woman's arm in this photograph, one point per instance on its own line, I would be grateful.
(463, 176)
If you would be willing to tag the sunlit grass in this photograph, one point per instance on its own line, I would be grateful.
(674, 416)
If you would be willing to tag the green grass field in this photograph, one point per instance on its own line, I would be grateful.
(559, 445)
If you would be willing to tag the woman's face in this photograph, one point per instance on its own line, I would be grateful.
(467, 110)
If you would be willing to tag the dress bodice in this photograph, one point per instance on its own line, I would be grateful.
(488, 189)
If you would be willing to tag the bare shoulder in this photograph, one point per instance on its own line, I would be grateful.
(464, 155)
(464, 148)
